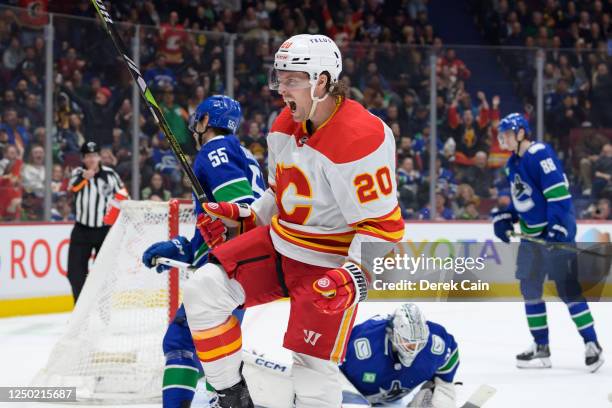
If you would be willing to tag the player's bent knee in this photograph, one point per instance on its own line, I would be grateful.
(316, 382)
(209, 295)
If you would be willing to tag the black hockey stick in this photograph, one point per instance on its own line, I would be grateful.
(109, 24)
(558, 245)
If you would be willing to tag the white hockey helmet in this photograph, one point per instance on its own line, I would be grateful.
(410, 332)
(312, 54)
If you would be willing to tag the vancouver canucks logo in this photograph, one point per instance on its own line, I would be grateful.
(395, 392)
(521, 194)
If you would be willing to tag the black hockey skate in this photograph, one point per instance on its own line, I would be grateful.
(593, 356)
(236, 396)
(536, 356)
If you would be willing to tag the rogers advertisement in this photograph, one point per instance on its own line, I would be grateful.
(33, 260)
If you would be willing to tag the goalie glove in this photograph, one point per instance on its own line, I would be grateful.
(233, 215)
(340, 288)
(212, 230)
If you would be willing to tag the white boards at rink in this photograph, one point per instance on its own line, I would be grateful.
(34, 258)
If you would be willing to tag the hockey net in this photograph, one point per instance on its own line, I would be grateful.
(112, 348)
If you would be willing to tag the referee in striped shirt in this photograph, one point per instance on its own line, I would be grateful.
(93, 186)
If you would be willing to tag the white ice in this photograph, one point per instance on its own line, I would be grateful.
(489, 336)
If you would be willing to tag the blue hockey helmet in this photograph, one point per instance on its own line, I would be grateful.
(515, 122)
(223, 113)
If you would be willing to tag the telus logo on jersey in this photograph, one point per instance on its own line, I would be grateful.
(521, 194)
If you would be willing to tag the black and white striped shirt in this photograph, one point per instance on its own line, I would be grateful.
(91, 196)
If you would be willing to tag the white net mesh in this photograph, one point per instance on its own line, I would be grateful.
(111, 350)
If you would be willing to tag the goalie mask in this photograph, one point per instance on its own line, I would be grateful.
(312, 54)
(410, 332)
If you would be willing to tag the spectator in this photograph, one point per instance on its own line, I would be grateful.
(172, 37)
(469, 133)
(160, 74)
(156, 188)
(61, 210)
(10, 183)
(602, 173)
(587, 152)
(600, 211)
(13, 55)
(107, 158)
(445, 181)
(479, 176)
(408, 182)
(17, 134)
(99, 114)
(59, 183)
(165, 162)
(443, 212)
(456, 66)
(602, 96)
(33, 173)
(177, 118)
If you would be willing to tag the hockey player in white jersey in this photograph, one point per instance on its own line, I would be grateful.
(332, 187)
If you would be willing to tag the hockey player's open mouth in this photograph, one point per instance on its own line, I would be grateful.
(292, 105)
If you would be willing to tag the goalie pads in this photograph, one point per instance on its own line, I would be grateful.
(435, 394)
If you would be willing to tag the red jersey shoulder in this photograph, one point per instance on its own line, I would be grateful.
(351, 134)
(284, 123)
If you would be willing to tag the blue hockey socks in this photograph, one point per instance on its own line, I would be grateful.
(537, 320)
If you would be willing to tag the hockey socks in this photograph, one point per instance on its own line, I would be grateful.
(218, 348)
(581, 315)
(181, 376)
(537, 320)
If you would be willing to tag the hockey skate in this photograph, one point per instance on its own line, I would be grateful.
(593, 356)
(236, 396)
(536, 356)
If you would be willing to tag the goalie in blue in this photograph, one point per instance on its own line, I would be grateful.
(388, 357)
(227, 172)
(542, 205)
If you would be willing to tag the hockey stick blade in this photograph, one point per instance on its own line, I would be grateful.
(480, 396)
(109, 25)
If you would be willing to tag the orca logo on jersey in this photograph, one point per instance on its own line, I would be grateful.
(311, 337)
(363, 350)
(521, 194)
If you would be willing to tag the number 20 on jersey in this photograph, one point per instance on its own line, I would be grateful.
(370, 186)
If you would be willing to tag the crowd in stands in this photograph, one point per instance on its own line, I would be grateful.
(183, 64)
(576, 80)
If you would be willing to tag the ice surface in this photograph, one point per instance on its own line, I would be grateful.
(489, 335)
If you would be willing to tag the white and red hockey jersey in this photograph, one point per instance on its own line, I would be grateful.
(333, 189)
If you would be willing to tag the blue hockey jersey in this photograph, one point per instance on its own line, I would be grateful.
(227, 172)
(539, 188)
(374, 368)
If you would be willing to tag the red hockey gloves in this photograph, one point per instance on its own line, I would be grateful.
(340, 288)
(212, 230)
(233, 215)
